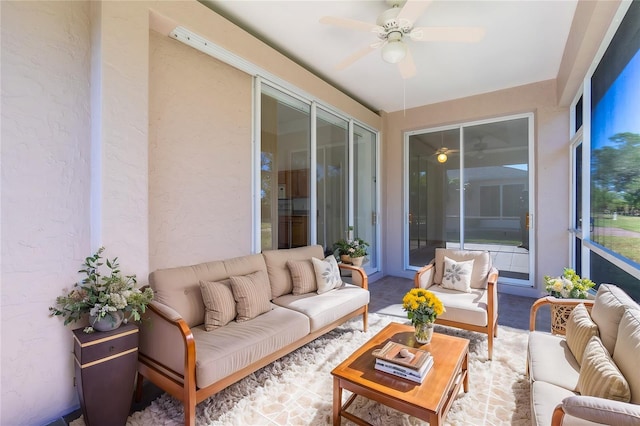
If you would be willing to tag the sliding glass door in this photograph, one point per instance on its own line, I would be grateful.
(469, 187)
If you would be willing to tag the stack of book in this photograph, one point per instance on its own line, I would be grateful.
(403, 361)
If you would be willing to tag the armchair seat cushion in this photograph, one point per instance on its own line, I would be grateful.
(325, 308)
(551, 361)
(225, 351)
(463, 307)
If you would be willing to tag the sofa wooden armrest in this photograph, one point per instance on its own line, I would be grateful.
(172, 370)
(359, 277)
(560, 311)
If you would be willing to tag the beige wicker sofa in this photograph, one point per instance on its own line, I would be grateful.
(586, 370)
(179, 355)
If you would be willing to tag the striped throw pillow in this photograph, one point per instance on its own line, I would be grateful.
(599, 375)
(303, 276)
(252, 294)
(580, 328)
(220, 307)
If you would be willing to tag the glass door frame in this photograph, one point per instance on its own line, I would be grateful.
(531, 182)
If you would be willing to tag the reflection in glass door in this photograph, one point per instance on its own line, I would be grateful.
(469, 187)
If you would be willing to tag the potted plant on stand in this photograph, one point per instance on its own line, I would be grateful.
(105, 362)
(351, 250)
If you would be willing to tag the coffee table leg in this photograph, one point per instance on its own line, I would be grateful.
(337, 401)
(465, 368)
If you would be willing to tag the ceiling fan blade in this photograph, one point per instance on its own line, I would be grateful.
(350, 23)
(354, 57)
(412, 10)
(457, 34)
(407, 66)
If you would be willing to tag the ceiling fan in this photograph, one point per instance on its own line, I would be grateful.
(442, 154)
(394, 27)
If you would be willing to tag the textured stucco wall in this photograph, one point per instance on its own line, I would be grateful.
(199, 172)
(45, 199)
(551, 165)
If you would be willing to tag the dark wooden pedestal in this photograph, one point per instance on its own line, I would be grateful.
(106, 364)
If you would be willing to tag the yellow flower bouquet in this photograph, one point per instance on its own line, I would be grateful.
(568, 286)
(422, 306)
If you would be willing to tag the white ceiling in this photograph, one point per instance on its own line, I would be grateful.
(524, 43)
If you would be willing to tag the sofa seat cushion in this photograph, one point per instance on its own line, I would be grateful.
(325, 308)
(551, 361)
(544, 399)
(468, 308)
(228, 349)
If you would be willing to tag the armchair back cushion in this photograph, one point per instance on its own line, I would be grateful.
(481, 265)
(276, 263)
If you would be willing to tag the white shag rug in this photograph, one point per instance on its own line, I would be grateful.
(297, 389)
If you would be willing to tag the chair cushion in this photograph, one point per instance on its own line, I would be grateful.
(467, 308)
(276, 263)
(457, 275)
(251, 293)
(608, 307)
(599, 375)
(551, 360)
(627, 351)
(303, 276)
(220, 306)
(325, 308)
(580, 328)
(228, 349)
(327, 274)
(481, 265)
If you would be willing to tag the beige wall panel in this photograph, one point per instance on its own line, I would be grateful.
(199, 156)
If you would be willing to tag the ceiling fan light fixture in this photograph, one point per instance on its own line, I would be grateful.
(394, 51)
(442, 157)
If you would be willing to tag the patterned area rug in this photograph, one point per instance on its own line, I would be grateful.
(297, 389)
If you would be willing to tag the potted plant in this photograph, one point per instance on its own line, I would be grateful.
(351, 250)
(108, 298)
(568, 286)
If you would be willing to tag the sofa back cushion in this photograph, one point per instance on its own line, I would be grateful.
(276, 264)
(580, 329)
(627, 351)
(599, 375)
(481, 265)
(179, 288)
(608, 308)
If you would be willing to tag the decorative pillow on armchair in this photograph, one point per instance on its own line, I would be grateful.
(327, 274)
(457, 275)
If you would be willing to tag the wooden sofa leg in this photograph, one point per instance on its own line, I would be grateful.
(365, 319)
(490, 344)
(189, 413)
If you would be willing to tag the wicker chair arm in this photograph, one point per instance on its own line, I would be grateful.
(566, 305)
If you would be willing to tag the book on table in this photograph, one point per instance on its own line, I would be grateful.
(403, 361)
(405, 372)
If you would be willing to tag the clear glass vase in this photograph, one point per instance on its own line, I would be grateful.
(424, 332)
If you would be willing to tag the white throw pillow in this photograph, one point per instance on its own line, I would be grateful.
(327, 274)
(457, 275)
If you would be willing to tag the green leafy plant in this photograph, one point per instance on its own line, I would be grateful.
(99, 294)
(568, 286)
(354, 247)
